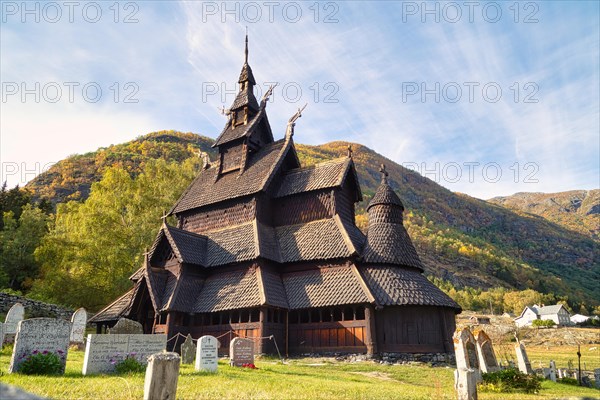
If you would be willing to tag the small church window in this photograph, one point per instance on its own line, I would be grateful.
(245, 316)
(315, 316)
(348, 314)
(255, 315)
(337, 314)
(235, 317)
(360, 313)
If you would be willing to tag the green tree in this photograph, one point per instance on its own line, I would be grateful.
(95, 246)
(18, 241)
(516, 301)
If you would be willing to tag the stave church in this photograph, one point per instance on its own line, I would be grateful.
(266, 247)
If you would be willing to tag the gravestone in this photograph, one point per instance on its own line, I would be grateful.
(188, 350)
(560, 373)
(161, 376)
(41, 335)
(13, 317)
(78, 321)
(465, 384)
(102, 352)
(546, 373)
(466, 352)
(522, 359)
(552, 371)
(126, 326)
(485, 353)
(241, 351)
(597, 377)
(207, 358)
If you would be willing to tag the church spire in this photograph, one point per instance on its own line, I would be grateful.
(246, 51)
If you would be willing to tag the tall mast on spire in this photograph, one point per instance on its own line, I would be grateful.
(246, 51)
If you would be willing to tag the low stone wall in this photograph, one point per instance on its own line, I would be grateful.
(34, 308)
(433, 359)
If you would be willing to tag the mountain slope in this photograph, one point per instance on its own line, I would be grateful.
(467, 241)
(577, 210)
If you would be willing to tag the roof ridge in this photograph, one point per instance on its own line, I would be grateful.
(190, 233)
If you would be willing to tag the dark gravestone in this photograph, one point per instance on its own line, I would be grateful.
(188, 350)
(126, 326)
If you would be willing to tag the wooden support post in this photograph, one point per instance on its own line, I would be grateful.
(262, 317)
(287, 333)
(162, 374)
(370, 336)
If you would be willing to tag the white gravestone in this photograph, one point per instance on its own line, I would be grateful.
(241, 351)
(207, 358)
(523, 360)
(465, 349)
(102, 352)
(485, 353)
(78, 320)
(14, 316)
(41, 335)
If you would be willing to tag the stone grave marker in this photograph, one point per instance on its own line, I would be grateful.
(188, 350)
(552, 371)
(465, 384)
(78, 321)
(485, 353)
(522, 359)
(161, 376)
(467, 366)
(40, 334)
(126, 326)
(103, 351)
(13, 317)
(597, 377)
(207, 358)
(241, 351)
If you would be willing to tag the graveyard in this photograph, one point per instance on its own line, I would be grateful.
(304, 378)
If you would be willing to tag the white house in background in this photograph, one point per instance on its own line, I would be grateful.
(578, 318)
(557, 313)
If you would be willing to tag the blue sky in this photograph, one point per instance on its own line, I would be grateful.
(460, 93)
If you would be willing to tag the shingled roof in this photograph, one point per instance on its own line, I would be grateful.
(385, 195)
(229, 291)
(117, 309)
(207, 189)
(229, 134)
(319, 176)
(395, 286)
(324, 287)
(188, 247)
(389, 243)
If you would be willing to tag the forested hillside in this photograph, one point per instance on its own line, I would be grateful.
(577, 210)
(480, 253)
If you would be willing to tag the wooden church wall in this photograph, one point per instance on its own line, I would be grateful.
(231, 213)
(413, 329)
(344, 203)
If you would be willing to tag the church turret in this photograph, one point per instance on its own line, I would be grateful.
(385, 206)
(387, 240)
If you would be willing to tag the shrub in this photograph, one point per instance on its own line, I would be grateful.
(568, 381)
(42, 363)
(510, 380)
(128, 365)
(543, 323)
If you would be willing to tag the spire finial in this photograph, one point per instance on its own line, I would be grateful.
(164, 217)
(292, 122)
(246, 51)
(384, 173)
(349, 151)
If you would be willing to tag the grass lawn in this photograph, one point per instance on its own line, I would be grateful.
(300, 379)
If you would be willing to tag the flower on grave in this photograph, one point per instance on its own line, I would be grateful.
(60, 352)
(35, 352)
(45, 352)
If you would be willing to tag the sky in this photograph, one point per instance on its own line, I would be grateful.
(485, 98)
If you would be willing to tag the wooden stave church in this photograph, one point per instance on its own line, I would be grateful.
(264, 246)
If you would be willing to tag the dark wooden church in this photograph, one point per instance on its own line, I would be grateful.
(264, 246)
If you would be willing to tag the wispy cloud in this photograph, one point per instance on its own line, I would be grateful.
(363, 62)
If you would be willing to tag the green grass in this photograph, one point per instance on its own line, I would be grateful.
(273, 380)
